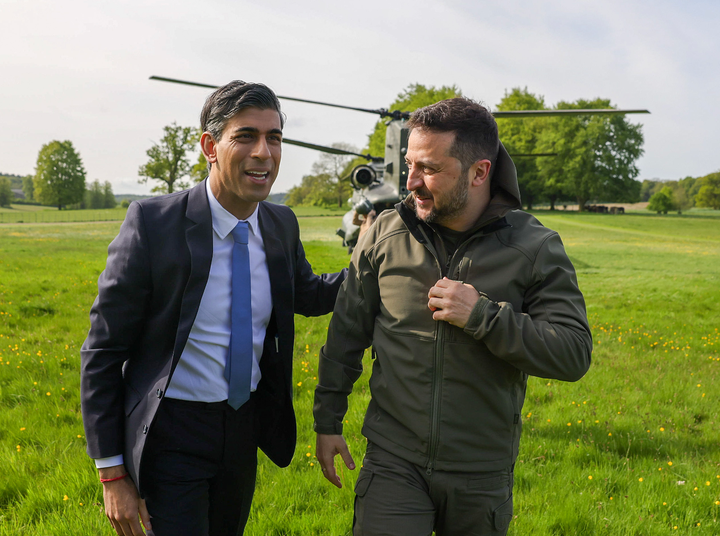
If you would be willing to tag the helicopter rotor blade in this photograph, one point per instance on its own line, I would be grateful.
(185, 82)
(531, 155)
(560, 113)
(325, 149)
(380, 111)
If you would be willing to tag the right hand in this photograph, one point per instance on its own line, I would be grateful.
(364, 221)
(123, 504)
(327, 447)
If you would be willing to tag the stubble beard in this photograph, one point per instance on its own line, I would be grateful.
(450, 207)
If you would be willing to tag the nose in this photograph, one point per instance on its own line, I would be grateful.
(261, 150)
(414, 180)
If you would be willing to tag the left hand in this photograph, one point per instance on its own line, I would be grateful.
(452, 301)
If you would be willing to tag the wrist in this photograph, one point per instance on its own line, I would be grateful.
(114, 472)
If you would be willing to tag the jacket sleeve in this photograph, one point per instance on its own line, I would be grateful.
(116, 321)
(349, 334)
(314, 294)
(550, 337)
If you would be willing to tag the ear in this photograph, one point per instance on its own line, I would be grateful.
(208, 145)
(479, 172)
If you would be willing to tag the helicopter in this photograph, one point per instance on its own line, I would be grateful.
(382, 182)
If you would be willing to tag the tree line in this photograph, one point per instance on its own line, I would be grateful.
(583, 159)
(683, 194)
(59, 180)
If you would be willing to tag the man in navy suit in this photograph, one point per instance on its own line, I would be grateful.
(171, 452)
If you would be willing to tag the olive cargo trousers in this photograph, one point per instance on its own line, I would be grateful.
(397, 498)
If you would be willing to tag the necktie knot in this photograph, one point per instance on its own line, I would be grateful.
(240, 232)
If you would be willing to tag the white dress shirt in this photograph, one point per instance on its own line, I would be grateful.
(199, 374)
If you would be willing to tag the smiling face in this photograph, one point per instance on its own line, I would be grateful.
(442, 192)
(439, 188)
(246, 159)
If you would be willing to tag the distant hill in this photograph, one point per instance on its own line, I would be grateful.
(15, 180)
(278, 199)
(130, 197)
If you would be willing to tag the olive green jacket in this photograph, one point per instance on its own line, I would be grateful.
(443, 397)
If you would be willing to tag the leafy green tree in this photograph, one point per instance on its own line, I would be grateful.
(709, 193)
(649, 188)
(59, 175)
(520, 136)
(326, 185)
(28, 188)
(662, 201)
(169, 160)
(413, 97)
(108, 196)
(596, 154)
(315, 190)
(6, 193)
(95, 198)
(200, 170)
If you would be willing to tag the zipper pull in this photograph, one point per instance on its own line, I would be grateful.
(277, 344)
(429, 469)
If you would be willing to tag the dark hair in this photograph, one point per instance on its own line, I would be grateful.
(476, 132)
(225, 102)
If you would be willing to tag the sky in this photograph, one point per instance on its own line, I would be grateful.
(78, 70)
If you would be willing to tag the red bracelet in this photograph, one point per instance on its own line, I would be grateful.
(103, 480)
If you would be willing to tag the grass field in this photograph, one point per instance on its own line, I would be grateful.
(631, 449)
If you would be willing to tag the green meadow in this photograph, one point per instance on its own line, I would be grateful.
(631, 449)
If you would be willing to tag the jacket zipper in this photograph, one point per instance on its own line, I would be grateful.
(437, 377)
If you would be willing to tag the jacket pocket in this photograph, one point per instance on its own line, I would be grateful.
(502, 515)
(132, 399)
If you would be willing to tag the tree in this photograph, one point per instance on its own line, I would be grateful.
(169, 160)
(709, 193)
(662, 201)
(108, 196)
(413, 97)
(59, 175)
(326, 185)
(596, 154)
(520, 136)
(314, 190)
(6, 193)
(95, 197)
(28, 188)
(200, 170)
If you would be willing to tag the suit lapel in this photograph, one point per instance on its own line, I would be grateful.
(198, 236)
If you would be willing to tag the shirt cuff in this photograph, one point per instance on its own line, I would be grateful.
(112, 461)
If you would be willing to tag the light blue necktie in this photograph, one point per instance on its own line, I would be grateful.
(238, 368)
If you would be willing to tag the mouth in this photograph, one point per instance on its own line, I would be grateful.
(258, 176)
(422, 198)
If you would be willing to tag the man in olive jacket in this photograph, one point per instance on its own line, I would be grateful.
(461, 296)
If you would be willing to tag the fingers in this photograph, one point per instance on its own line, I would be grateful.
(327, 447)
(347, 458)
(122, 506)
(145, 515)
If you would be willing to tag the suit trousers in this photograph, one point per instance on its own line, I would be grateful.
(394, 497)
(199, 468)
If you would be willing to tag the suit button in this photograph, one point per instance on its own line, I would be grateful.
(159, 393)
(145, 429)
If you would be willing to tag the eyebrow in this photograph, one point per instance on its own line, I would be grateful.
(256, 130)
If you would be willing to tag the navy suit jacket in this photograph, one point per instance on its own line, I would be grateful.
(148, 297)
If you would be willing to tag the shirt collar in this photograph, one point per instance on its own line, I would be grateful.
(222, 221)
